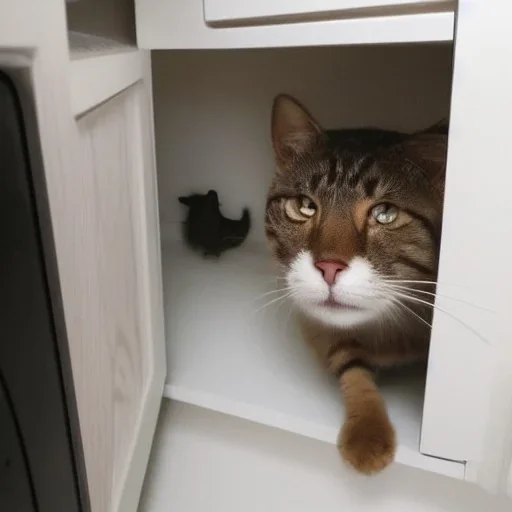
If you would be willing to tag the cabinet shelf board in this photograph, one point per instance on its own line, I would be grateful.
(99, 69)
(180, 24)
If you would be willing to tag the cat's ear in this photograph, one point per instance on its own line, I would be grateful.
(294, 131)
(427, 150)
(184, 200)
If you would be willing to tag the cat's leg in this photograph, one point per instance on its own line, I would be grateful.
(367, 439)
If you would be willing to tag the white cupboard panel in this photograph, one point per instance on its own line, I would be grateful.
(222, 11)
(112, 291)
(95, 80)
(115, 357)
(467, 404)
(180, 24)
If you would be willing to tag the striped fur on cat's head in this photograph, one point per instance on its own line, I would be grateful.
(350, 210)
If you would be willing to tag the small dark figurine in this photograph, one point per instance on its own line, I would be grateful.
(207, 230)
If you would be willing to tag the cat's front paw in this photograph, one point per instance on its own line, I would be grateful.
(367, 441)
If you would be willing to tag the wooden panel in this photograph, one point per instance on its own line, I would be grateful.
(139, 120)
(109, 241)
(222, 11)
(115, 369)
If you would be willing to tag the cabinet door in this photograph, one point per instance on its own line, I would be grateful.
(232, 11)
(468, 402)
(99, 174)
(120, 365)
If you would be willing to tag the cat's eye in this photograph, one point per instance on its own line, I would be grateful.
(300, 208)
(384, 213)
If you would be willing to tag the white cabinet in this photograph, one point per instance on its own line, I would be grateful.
(95, 117)
(181, 24)
(231, 12)
(93, 107)
(211, 123)
(245, 359)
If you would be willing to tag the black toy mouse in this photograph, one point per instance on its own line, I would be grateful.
(207, 230)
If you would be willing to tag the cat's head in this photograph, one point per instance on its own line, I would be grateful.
(350, 211)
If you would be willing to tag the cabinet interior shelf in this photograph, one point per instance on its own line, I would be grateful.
(228, 353)
(181, 25)
(99, 69)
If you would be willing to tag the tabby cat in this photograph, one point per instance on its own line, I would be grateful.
(354, 219)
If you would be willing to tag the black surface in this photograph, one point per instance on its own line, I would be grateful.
(16, 489)
(41, 462)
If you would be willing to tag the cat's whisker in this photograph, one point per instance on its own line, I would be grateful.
(442, 310)
(462, 301)
(273, 301)
(408, 281)
(290, 310)
(271, 279)
(407, 308)
(279, 305)
(394, 313)
(393, 280)
(277, 290)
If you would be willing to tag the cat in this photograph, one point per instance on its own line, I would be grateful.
(354, 219)
(207, 230)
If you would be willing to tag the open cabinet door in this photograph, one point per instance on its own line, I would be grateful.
(99, 173)
(468, 403)
(120, 379)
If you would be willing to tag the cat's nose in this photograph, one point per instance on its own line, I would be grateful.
(330, 270)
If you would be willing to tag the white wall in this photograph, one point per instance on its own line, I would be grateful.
(212, 110)
(207, 462)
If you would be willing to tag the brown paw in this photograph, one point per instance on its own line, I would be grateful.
(367, 441)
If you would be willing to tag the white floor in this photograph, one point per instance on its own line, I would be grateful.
(204, 461)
